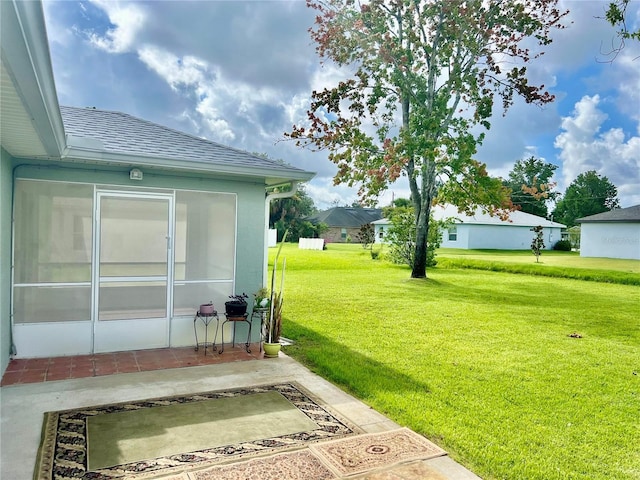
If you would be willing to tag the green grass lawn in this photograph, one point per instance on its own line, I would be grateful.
(548, 258)
(517, 376)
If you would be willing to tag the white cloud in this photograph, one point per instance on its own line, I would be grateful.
(584, 147)
(242, 73)
(192, 77)
(175, 71)
(129, 19)
(583, 125)
(325, 195)
(628, 79)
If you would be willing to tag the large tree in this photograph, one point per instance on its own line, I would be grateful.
(587, 195)
(425, 75)
(531, 186)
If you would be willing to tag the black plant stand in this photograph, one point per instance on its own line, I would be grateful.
(261, 314)
(206, 318)
(235, 319)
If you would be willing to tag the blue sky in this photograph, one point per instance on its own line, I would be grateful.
(241, 73)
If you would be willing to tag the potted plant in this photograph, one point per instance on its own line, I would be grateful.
(237, 306)
(274, 327)
(261, 299)
(274, 319)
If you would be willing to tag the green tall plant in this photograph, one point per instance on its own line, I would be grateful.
(277, 299)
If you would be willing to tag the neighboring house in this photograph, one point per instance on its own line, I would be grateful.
(482, 231)
(345, 222)
(380, 229)
(613, 234)
(121, 227)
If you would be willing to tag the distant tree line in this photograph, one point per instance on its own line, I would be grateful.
(290, 213)
(532, 191)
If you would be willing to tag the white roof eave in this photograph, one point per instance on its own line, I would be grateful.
(25, 53)
(271, 176)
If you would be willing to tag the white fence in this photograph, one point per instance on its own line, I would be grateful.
(311, 243)
(272, 237)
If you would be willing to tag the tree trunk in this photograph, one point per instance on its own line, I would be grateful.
(422, 231)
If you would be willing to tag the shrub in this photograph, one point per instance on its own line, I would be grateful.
(537, 244)
(401, 237)
(367, 235)
(563, 245)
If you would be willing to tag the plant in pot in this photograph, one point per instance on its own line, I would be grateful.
(237, 306)
(261, 300)
(274, 327)
(274, 320)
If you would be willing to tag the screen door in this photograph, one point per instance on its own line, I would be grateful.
(132, 298)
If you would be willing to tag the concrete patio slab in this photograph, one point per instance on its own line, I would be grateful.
(22, 406)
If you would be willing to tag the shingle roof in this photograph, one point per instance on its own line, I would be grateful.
(120, 133)
(630, 214)
(346, 216)
(516, 218)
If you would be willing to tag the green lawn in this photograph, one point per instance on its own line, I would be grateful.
(517, 376)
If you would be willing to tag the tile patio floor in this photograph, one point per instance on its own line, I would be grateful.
(32, 387)
(36, 370)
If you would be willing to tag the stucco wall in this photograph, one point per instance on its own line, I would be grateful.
(5, 258)
(503, 237)
(498, 237)
(610, 240)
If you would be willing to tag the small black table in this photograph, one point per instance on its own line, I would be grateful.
(235, 319)
(206, 318)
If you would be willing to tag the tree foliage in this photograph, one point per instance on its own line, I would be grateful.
(425, 74)
(530, 184)
(616, 15)
(402, 233)
(288, 214)
(366, 235)
(587, 195)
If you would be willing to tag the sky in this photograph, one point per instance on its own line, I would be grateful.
(241, 73)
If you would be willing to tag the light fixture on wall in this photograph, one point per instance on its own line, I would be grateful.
(135, 174)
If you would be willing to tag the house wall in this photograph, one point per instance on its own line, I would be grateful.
(6, 193)
(502, 237)
(249, 243)
(461, 239)
(334, 235)
(380, 231)
(610, 240)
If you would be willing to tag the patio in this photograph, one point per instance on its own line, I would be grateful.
(32, 387)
